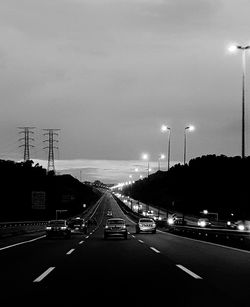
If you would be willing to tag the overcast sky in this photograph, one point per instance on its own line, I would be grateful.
(109, 73)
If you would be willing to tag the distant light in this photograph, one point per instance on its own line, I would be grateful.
(136, 169)
(241, 227)
(162, 156)
(205, 211)
(164, 128)
(232, 48)
(145, 156)
(191, 128)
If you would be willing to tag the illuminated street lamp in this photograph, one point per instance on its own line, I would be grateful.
(161, 157)
(165, 128)
(233, 48)
(146, 158)
(188, 128)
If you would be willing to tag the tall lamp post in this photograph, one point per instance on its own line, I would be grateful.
(146, 158)
(243, 49)
(165, 128)
(188, 128)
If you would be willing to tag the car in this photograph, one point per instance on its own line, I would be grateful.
(115, 227)
(58, 228)
(109, 213)
(204, 222)
(78, 225)
(145, 225)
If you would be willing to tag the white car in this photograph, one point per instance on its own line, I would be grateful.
(145, 225)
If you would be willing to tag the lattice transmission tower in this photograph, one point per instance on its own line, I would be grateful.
(51, 140)
(27, 139)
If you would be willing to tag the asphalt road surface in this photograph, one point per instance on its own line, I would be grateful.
(159, 269)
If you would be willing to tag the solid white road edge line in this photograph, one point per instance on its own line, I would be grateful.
(188, 271)
(20, 243)
(41, 277)
(206, 242)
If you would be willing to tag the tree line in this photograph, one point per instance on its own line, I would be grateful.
(216, 183)
(29, 192)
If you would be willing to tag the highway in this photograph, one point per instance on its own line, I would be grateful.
(146, 269)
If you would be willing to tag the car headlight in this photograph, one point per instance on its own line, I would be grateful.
(63, 227)
(170, 221)
(202, 224)
(228, 223)
(48, 228)
(241, 227)
(106, 227)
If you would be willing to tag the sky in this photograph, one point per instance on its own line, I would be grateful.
(109, 73)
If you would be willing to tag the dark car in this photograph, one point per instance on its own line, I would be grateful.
(145, 225)
(115, 227)
(78, 225)
(58, 228)
(109, 213)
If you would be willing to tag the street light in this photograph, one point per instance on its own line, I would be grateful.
(146, 158)
(188, 128)
(161, 157)
(164, 129)
(233, 48)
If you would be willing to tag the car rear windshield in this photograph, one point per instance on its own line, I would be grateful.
(146, 221)
(110, 222)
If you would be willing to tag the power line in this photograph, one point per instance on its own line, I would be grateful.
(27, 131)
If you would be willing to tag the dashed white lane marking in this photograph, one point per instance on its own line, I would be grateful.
(41, 277)
(80, 242)
(188, 271)
(155, 250)
(141, 241)
(87, 237)
(20, 243)
(133, 236)
(70, 251)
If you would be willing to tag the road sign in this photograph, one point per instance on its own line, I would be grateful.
(38, 200)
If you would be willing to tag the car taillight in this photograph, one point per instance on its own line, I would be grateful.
(48, 228)
(63, 227)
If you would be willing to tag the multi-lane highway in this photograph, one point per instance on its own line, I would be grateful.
(145, 269)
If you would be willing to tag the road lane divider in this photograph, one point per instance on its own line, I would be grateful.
(70, 251)
(81, 242)
(43, 275)
(86, 237)
(155, 250)
(188, 271)
(140, 241)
